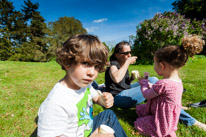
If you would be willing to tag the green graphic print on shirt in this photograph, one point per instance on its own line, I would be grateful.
(84, 114)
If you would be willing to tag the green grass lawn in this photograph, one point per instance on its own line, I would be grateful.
(25, 85)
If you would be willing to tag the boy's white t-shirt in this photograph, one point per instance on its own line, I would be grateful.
(66, 112)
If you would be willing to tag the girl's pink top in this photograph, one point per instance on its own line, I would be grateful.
(160, 116)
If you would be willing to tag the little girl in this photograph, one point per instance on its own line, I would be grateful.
(159, 117)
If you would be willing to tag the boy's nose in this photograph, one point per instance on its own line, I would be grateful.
(91, 71)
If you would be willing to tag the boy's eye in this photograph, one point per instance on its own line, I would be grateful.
(85, 63)
(97, 67)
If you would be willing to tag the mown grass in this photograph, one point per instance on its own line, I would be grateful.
(25, 85)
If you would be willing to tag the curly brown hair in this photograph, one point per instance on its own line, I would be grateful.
(176, 55)
(80, 48)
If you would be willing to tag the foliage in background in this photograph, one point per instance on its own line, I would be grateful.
(163, 29)
(24, 35)
(61, 30)
(23, 32)
(8, 29)
(193, 9)
(166, 28)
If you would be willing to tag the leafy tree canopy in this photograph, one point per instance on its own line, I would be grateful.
(61, 30)
(193, 9)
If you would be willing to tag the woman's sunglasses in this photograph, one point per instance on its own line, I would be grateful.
(125, 53)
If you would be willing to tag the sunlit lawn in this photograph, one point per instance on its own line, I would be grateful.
(24, 86)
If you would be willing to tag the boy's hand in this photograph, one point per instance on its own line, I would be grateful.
(97, 134)
(108, 99)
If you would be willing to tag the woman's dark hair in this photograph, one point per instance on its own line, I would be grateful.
(176, 55)
(117, 49)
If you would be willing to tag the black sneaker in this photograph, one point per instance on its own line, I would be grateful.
(199, 104)
(184, 90)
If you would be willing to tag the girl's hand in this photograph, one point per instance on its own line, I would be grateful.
(143, 82)
(108, 99)
(150, 85)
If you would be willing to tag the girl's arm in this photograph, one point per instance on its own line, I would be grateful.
(147, 90)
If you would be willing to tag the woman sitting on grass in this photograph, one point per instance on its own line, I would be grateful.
(160, 115)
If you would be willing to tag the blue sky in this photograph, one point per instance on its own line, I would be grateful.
(111, 20)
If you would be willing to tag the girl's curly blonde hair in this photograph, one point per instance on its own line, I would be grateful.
(193, 44)
(176, 55)
(83, 48)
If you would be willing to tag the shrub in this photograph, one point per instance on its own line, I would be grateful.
(166, 28)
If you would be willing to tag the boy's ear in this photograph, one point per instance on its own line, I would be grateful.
(66, 67)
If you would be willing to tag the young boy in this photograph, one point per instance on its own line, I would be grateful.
(67, 111)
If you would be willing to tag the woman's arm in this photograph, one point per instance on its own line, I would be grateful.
(118, 74)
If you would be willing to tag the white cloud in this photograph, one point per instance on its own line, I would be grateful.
(100, 20)
(91, 29)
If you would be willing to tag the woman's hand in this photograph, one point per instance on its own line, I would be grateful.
(132, 60)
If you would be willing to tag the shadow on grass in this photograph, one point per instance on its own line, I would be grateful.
(127, 115)
(34, 134)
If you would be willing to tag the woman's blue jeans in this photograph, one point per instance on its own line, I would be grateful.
(133, 96)
(186, 118)
(108, 117)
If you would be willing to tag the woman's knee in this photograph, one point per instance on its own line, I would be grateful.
(126, 105)
(153, 79)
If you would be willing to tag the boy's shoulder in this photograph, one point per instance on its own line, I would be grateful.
(61, 93)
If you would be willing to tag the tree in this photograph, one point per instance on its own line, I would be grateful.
(6, 26)
(12, 30)
(35, 47)
(61, 30)
(105, 45)
(24, 35)
(19, 28)
(193, 9)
